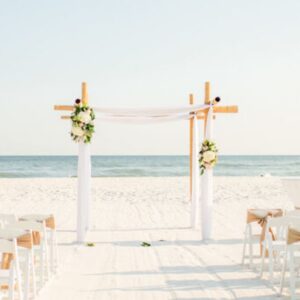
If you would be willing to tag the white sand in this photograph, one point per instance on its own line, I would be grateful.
(127, 211)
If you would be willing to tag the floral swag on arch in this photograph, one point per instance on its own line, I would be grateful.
(208, 155)
(82, 122)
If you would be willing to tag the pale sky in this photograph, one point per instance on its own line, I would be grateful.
(139, 53)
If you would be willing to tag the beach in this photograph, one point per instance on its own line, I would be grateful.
(129, 211)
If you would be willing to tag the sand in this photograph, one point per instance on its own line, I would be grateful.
(128, 211)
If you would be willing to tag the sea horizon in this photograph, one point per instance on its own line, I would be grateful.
(31, 166)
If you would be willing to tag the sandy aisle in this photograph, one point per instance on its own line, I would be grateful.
(127, 211)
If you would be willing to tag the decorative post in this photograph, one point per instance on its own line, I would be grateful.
(207, 178)
(192, 120)
(195, 175)
(84, 182)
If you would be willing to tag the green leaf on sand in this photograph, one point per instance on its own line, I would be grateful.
(144, 244)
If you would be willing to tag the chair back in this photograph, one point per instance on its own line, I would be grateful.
(292, 187)
(28, 225)
(280, 224)
(6, 219)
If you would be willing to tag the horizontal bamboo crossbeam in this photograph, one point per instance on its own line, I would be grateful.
(199, 117)
(64, 107)
(203, 117)
(226, 109)
(217, 109)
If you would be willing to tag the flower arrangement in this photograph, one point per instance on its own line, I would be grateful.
(82, 122)
(208, 155)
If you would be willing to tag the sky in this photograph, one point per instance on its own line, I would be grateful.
(140, 53)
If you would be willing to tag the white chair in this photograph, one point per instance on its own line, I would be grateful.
(41, 248)
(25, 251)
(52, 241)
(250, 239)
(252, 236)
(276, 248)
(290, 260)
(11, 276)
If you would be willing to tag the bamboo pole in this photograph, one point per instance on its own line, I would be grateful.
(226, 109)
(64, 107)
(207, 93)
(84, 96)
(206, 101)
(191, 98)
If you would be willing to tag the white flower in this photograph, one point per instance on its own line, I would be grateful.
(77, 131)
(208, 156)
(84, 117)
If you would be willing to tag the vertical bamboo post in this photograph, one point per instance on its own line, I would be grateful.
(84, 94)
(191, 98)
(206, 101)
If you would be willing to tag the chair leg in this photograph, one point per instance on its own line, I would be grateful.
(245, 245)
(41, 250)
(250, 252)
(244, 250)
(27, 277)
(46, 253)
(11, 285)
(292, 274)
(52, 267)
(271, 264)
(56, 249)
(282, 279)
(33, 273)
(19, 280)
(262, 265)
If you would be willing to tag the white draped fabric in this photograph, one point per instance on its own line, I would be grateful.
(150, 112)
(195, 176)
(84, 190)
(148, 115)
(145, 120)
(207, 187)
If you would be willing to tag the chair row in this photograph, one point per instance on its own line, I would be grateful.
(277, 247)
(29, 254)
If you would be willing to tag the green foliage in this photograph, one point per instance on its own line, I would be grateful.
(82, 127)
(145, 244)
(208, 155)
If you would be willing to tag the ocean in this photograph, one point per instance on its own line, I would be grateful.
(131, 166)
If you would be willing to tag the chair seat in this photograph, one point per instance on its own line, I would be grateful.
(36, 217)
(261, 213)
(256, 237)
